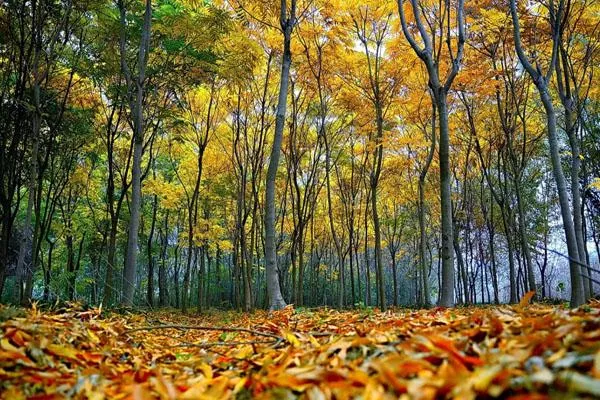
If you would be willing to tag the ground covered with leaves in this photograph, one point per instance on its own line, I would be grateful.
(518, 352)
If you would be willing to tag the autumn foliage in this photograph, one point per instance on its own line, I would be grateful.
(518, 352)
(200, 159)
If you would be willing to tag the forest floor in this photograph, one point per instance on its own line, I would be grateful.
(519, 352)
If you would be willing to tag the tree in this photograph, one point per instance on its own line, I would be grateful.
(430, 52)
(135, 94)
(542, 82)
(287, 20)
(379, 119)
(372, 28)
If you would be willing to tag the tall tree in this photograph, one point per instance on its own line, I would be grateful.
(287, 21)
(135, 87)
(542, 82)
(430, 51)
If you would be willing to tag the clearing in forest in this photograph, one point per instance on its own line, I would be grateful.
(521, 351)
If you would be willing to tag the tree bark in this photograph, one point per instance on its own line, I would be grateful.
(27, 244)
(149, 245)
(429, 57)
(541, 83)
(447, 290)
(421, 210)
(276, 301)
(136, 89)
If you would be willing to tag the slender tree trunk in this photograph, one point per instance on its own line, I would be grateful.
(250, 298)
(525, 239)
(422, 243)
(421, 210)
(586, 256)
(492, 234)
(137, 111)
(577, 294)
(300, 285)
(576, 195)
(176, 278)
(545, 259)
(378, 256)
(244, 258)
(150, 287)
(27, 244)
(511, 258)
(70, 267)
(129, 271)
(351, 259)
(163, 295)
(336, 241)
(201, 278)
(367, 261)
(48, 271)
(461, 267)
(188, 268)
(395, 277)
(4, 245)
(273, 288)
(568, 101)
(77, 266)
(110, 261)
(447, 289)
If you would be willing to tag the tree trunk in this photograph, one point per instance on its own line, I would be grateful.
(525, 240)
(336, 241)
(511, 258)
(421, 210)
(188, 270)
(568, 100)
(70, 267)
(137, 111)
(150, 287)
(201, 277)
(48, 271)
(163, 294)
(276, 301)
(461, 267)
(447, 289)
(577, 294)
(395, 278)
(367, 261)
(27, 244)
(378, 256)
(176, 278)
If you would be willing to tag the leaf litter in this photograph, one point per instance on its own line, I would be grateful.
(517, 352)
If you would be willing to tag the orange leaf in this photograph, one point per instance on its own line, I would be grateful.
(448, 345)
(526, 299)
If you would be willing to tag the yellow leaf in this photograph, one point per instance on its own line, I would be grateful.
(240, 384)
(292, 339)
(206, 370)
(62, 351)
(6, 345)
(482, 378)
(93, 337)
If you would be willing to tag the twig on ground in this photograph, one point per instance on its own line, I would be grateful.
(206, 328)
(222, 343)
(321, 334)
